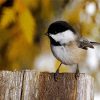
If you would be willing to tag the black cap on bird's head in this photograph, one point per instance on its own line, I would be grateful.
(58, 27)
(60, 32)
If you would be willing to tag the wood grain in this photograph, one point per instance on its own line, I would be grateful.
(34, 85)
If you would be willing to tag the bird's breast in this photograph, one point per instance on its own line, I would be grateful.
(69, 54)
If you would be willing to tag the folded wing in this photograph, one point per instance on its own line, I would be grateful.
(85, 44)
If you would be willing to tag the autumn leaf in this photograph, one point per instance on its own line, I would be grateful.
(27, 25)
(7, 17)
(31, 4)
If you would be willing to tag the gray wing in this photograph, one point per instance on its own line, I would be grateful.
(85, 44)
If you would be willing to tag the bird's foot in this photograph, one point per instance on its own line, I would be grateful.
(56, 75)
(77, 74)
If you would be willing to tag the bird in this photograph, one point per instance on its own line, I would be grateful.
(67, 45)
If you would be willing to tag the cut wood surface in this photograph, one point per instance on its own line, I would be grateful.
(34, 85)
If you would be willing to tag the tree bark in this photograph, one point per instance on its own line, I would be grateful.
(33, 85)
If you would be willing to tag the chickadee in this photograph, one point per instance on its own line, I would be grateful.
(67, 45)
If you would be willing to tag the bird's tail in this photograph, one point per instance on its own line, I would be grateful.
(95, 43)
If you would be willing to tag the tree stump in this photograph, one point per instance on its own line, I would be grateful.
(33, 85)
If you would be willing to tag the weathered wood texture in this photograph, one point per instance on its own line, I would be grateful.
(33, 85)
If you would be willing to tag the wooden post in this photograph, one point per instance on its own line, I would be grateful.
(33, 85)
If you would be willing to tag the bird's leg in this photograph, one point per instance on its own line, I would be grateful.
(57, 72)
(77, 73)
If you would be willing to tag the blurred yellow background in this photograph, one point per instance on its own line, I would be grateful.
(23, 23)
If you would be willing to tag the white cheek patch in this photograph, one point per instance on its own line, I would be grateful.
(64, 37)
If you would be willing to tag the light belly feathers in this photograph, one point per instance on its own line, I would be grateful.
(69, 54)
